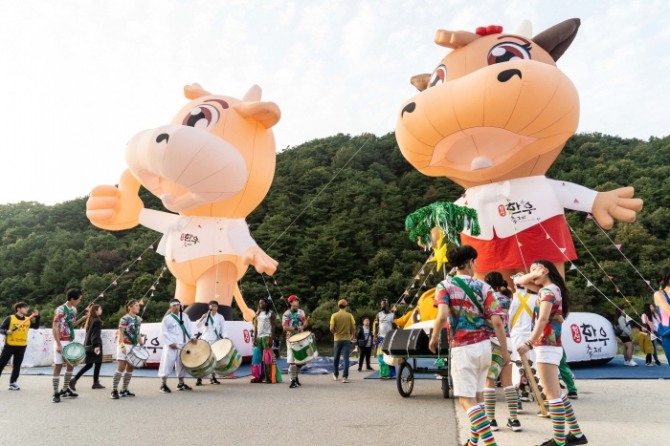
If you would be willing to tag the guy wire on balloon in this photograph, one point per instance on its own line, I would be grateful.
(610, 278)
(126, 270)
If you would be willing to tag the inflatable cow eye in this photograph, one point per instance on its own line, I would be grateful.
(506, 51)
(203, 117)
(439, 76)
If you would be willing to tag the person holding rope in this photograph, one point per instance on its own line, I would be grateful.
(213, 326)
(93, 346)
(129, 336)
(551, 308)
(15, 328)
(175, 333)
(467, 306)
(65, 319)
(294, 320)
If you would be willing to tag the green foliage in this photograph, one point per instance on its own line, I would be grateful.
(334, 219)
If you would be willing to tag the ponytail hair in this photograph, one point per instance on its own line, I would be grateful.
(556, 278)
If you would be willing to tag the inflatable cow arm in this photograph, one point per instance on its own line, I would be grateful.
(115, 208)
(617, 204)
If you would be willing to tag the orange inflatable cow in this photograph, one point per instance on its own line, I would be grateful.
(211, 166)
(493, 117)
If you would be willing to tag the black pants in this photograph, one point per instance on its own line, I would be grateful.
(87, 367)
(17, 352)
(365, 354)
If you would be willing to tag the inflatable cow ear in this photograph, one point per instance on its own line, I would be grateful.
(267, 113)
(420, 81)
(557, 39)
(195, 91)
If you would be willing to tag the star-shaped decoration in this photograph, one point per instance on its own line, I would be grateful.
(439, 252)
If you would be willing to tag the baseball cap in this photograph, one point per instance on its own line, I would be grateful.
(293, 297)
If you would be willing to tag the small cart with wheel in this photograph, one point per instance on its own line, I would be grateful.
(413, 365)
(410, 347)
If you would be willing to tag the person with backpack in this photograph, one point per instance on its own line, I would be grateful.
(468, 307)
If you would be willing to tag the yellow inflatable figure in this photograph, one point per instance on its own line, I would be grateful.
(424, 311)
(211, 166)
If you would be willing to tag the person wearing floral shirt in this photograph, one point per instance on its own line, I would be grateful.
(471, 312)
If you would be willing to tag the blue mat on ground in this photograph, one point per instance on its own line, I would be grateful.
(318, 366)
(108, 369)
(615, 369)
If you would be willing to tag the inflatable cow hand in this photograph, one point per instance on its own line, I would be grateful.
(115, 208)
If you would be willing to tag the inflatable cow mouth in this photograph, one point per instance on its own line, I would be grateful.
(186, 166)
(495, 108)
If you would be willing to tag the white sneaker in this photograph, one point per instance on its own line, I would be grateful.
(345, 380)
(335, 377)
(632, 363)
(14, 386)
(626, 363)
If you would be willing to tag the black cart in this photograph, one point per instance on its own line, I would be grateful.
(408, 368)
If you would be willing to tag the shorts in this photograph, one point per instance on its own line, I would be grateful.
(289, 353)
(121, 352)
(549, 354)
(496, 362)
(58, 358)
(625, 338)
(469, 367)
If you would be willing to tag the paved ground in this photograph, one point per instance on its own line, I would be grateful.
(322, 412)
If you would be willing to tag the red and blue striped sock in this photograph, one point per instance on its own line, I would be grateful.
(571, 419)
(557, 414)
(480, 431)
(512, 399)
(489, 395)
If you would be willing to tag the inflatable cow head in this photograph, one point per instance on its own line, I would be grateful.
(495, 108)
(216, 158)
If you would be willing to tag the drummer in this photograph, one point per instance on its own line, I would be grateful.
(65, 319)
(213, 326)
(176, 331)
(129, 337)
(294, 321)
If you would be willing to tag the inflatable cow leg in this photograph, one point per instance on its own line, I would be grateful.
(217, 283)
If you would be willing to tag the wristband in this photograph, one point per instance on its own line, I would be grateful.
(529, 344)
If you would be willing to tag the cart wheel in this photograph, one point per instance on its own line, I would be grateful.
(445, 387)
(405, 379)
